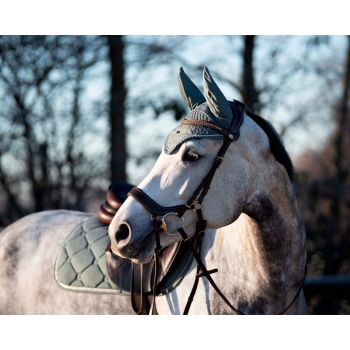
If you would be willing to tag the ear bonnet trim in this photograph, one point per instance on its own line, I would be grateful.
(185, 132)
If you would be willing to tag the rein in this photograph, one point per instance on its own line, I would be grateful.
(157, 211)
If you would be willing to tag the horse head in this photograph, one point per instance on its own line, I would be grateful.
(188, 155)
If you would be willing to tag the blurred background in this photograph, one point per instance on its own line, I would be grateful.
(80, 112)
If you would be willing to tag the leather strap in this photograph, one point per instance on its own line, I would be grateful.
(199, 234)
(205, 184)
(204, 270)
(296, 295)
(156, 263)
(141, 309)
(151, 205)
(207, 274)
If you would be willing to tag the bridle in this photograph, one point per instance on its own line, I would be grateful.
(195, 203)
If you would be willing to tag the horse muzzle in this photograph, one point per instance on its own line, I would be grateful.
(139, 250)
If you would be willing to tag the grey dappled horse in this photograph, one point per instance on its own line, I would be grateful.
(254, 237)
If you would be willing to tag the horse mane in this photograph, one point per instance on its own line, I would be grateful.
(276, 143)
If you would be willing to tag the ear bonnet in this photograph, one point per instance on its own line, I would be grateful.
(213, 108)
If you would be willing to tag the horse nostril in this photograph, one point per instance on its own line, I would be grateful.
(122, 233)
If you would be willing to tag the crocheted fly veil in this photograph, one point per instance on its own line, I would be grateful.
(213, 108)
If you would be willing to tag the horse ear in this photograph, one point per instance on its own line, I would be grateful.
(216, 100)
(189, 91)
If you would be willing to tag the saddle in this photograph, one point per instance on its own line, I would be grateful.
(86, 263)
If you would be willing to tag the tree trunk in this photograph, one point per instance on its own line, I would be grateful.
(249, 91)
(117, 111)
(342, 125)
(336, 232)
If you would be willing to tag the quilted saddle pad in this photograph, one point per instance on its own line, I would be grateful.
(81, 264)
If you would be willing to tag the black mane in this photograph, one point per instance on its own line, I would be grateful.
(276, 144)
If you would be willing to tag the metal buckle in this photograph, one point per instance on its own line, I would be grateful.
(194, 208)
(165, 227)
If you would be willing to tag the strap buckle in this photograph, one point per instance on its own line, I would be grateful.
(206, 273)
(164, 224)
(196, 203)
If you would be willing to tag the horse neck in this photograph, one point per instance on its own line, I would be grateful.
(262, 252)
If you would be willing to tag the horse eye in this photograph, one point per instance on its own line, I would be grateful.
(190, 156)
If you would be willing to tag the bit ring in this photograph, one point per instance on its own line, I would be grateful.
(165, 227)
(196, 202)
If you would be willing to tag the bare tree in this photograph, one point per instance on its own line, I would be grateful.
(340, 208)
(117, 108)
(249, 92)
(43, 162)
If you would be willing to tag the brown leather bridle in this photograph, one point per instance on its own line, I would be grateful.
(158, 213)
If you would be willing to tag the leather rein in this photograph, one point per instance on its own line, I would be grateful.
(158, 214)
